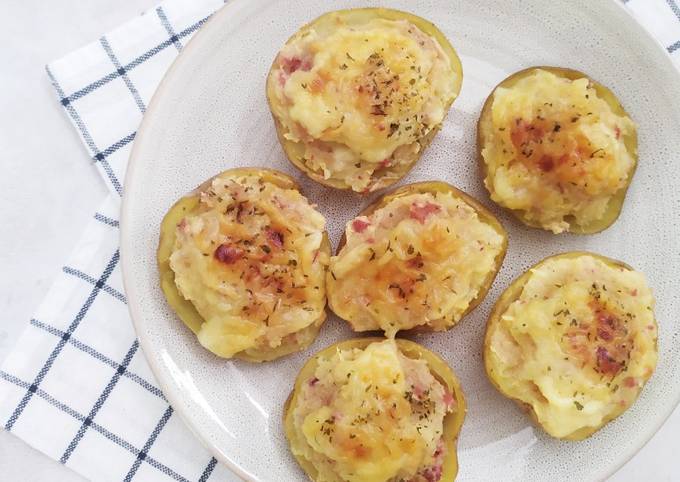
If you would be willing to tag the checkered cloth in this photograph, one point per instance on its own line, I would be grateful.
(76, 386)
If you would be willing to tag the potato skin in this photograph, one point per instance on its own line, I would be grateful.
(294, 151)
(439, 369)
(631, 142)
(185, 309)
(433, 187)
(511, 293)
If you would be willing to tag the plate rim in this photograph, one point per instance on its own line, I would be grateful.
(171, 390)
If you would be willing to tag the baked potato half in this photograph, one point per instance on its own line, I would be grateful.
(573, 341)
(375, 409)
(557, 149)
(357, 95)
(421, 257)
(242, 261)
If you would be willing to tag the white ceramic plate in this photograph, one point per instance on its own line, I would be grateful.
(210, 114)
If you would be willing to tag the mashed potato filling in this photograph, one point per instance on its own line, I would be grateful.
(249, 259)
(577, 344)
(419, 260)
(360, 96)
(556, 151)
(372, 415)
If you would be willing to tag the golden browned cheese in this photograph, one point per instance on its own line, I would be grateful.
(557, 149)
(357, 94)
(421, 259)
(574, 341)
(244, 264)
(372, 410)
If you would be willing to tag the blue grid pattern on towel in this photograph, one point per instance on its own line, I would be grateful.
(119, 71)
(66, 338)
(97, 286)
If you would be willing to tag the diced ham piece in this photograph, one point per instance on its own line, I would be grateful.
(630, 382)
(275, 238)
(606, 363)
(604, 334)
(420, 211)
(293, 64)
(227, 253)
(433, 474)
(546, 163)
(360, 225)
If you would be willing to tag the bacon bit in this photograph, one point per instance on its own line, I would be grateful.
(606, 363)
(433, 474)
(604, 334)
(416, 262)
(386, 162)
(359, 225)
(606, 318)
(275, 238)
(228, 254)
(293, 64)
(546, 163)
(630, 382)
(617, 132)
(420, 212)
(634, 292)
(381, 127)
(313, 381)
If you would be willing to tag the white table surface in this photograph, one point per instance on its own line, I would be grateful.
(49, 189)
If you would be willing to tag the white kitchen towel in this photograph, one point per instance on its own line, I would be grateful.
(76, 386)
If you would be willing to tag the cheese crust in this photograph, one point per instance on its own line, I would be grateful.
(420, 260)
(360, 93)
(574, 341)
(374, 413)
(557, 149)
(251, 257)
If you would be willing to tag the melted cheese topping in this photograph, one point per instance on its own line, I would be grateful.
(250, 261)
(577, 345)
(419, 260)
(556, 150)
(360, 96)
(372, 415)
